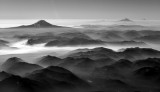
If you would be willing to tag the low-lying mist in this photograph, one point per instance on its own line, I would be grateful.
(20, 47)
(30, 52)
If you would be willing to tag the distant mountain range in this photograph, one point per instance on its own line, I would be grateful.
(129, 53)
(114, 26)
(123, 24)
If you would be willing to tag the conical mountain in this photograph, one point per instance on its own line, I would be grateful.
(40, 24)
(126, 20)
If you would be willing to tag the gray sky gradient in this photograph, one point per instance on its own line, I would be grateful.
(79, 9)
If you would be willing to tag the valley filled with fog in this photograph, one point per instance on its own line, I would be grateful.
(116, 35)
(83, 56)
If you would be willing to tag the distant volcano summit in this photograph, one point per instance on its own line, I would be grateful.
(126, 20)
(40, 24)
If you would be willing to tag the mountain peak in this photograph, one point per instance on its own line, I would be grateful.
(10, 62)
(14, 59)
(48, 61)
(126, 20)
(42, 23)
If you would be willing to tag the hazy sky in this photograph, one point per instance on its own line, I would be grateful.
(79, 9)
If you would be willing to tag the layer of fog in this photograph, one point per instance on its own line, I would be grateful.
(20, 47)
(31, 53)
